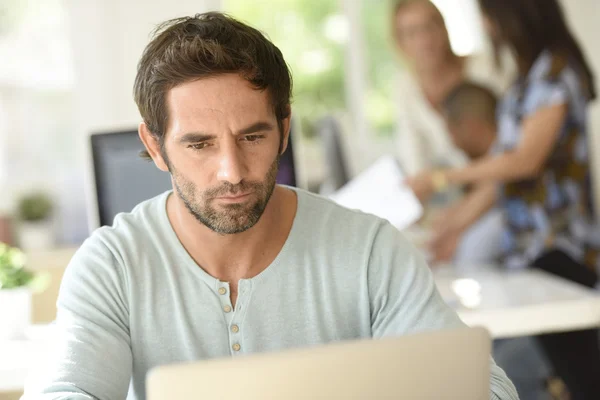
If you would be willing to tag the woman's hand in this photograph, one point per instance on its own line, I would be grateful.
(443, 247)
(422, 185)
(446, 236)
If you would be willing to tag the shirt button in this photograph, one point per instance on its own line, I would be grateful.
(227, 309)
(236, 347)
(235, 328)
(222, 290)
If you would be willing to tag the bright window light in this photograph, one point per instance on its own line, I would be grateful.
(337, 29)
(315, 61)
(464, 25)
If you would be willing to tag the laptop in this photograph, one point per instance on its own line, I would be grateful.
(452, 364)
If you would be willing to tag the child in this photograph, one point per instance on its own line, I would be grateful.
(458, 234)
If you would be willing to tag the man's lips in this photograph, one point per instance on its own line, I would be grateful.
(233, 197)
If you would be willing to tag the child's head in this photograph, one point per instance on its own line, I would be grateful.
(470, 114)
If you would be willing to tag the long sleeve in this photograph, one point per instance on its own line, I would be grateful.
(410, 146)
(90, 357)
(404, 299)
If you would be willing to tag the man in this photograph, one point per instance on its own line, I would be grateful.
(459, 233)
(228, 263)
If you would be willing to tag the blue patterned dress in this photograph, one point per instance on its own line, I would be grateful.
(554, 209)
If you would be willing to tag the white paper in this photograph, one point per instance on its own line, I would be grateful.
(379, 190)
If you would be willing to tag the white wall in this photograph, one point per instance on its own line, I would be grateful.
(584, 17)
(108, 37)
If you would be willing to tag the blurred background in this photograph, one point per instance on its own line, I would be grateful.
(68, 66)
(66, 78)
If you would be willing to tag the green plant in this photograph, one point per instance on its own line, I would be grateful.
(12, 268)
(35, 207)
(13, 273)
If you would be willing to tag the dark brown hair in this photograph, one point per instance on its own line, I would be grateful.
(531, 26)
(204, 45)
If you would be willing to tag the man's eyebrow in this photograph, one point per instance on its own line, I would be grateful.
(257, 127)
(195, 137)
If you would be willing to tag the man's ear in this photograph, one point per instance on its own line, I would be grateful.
(286, 124)
(152, 147)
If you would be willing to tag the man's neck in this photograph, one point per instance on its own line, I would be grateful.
(238, 256)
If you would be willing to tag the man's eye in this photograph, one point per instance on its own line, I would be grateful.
(253, 138)
(198, 146)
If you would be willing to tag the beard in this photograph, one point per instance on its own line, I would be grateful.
(227, 219)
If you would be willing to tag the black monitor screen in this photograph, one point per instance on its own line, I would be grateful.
(287, 166)
(123, 179)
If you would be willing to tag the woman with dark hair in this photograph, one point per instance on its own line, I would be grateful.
(542, 165)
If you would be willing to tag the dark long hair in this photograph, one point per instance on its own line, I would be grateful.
(532, 26)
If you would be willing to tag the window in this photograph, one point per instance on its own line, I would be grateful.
(36, 102)
(381, 66)
(311, 35)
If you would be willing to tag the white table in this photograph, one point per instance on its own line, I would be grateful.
(17, 357)
(517, 303)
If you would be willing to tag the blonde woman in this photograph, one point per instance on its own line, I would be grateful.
(433, 70)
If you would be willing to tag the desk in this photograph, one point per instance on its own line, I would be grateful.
(51, 262)
(17, 358)
(518, 303)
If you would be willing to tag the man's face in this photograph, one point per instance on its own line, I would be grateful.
(222, 148)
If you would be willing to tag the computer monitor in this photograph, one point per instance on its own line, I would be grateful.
(287, 174)
(121, 179)
(329, 130)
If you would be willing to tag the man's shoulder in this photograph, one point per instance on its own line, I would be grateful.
(319, 206)
(135, 229)
(111, 253)
(354, 236)
(322, 216)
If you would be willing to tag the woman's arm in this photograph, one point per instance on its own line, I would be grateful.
(540, 133)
